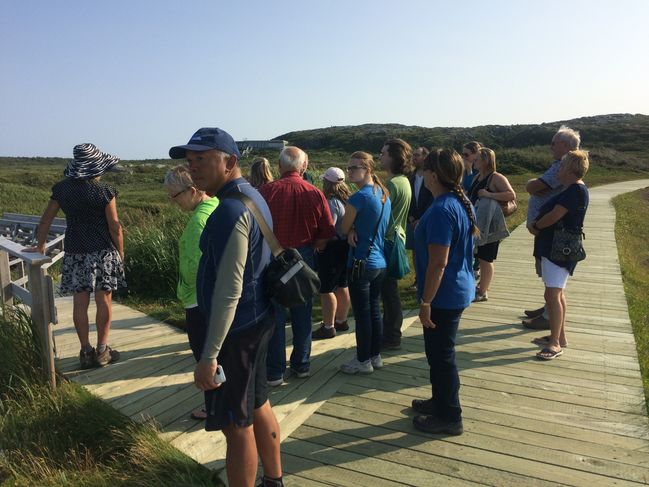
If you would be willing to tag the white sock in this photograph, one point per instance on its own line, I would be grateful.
(328, 327)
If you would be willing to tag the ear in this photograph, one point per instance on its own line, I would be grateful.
(231, 163)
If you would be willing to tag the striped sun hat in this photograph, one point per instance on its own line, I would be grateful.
(89, 162)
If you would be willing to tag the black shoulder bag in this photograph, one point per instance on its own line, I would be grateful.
(288, 279)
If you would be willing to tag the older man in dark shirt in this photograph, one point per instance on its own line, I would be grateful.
(301, 220)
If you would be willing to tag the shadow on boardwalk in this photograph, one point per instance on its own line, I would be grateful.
(578, 420)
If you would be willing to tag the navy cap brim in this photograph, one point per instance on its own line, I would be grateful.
(180, 151)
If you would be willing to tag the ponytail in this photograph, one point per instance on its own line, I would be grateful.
(457, 191)
(379, 183)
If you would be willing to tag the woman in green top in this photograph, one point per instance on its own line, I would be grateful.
(396, 159)
(181, 190)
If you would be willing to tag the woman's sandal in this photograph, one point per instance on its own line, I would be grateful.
(199, 414)
(544, 341)
(548, 354)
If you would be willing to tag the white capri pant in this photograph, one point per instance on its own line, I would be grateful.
(553, 275)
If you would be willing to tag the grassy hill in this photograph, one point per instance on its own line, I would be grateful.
(615, 141)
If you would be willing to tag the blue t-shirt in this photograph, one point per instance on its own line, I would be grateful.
(467, 180)
(575, 199)
(368, 208)
(447, 223)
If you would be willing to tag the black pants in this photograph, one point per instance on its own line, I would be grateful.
(392, 314)
(440, 352)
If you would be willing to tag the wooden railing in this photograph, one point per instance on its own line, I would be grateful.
(24, 278)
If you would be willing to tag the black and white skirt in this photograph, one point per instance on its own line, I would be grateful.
(96, 271)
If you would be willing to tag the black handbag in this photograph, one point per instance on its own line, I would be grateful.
(567, 245)
(358, 265)
(287, 279)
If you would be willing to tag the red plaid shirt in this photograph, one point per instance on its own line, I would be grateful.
(300, 211)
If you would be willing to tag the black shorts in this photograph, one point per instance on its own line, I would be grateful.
(332, 266)
(488, 252)
(243, 358)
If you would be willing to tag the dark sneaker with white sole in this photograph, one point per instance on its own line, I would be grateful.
(434, 425)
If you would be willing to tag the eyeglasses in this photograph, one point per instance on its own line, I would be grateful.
(354, 168)
(466, 154)
(173, 197)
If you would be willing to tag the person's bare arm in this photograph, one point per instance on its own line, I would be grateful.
(115, 227)
(549, 219)
(536, 187)
(44, 226)
(500, 189)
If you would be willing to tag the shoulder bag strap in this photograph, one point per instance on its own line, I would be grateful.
(270, 237)
(376, 230)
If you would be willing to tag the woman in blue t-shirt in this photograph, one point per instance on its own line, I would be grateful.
(365, 222)
(569, 208)
(445, 286)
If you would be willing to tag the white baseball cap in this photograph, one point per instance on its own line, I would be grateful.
(334, 175)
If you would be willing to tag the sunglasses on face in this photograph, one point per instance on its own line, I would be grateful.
(466, 154)
(354, 168)
(173, 197)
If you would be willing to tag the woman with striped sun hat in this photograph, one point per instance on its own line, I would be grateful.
(94, 246)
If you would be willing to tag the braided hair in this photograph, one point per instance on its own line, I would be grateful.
(448, 166)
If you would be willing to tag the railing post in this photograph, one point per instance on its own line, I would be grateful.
(6, 297)
(40, 308)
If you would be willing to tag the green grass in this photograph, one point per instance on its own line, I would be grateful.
(632, 234)
(70, 437)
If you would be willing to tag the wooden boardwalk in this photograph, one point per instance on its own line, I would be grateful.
(578, 420)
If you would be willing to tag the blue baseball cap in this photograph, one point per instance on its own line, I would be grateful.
(207, 138)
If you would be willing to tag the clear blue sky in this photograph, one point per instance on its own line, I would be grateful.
(136, 76)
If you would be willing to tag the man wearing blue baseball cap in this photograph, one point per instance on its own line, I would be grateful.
(238, 311)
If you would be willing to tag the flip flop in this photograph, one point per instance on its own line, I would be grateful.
(543, 341)
(548, 354)
(199, 414)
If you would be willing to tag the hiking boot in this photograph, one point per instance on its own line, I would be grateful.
(533, 313)
(268, 482)
(434, 425)
(341, 326)
(377, 361)
(323, 333)
(87, 358)
(537, 323)
(356, 367)
(108, 356)
(424, 406)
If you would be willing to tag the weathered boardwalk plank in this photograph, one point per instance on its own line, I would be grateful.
(578, 420)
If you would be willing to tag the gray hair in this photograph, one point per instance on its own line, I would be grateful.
(179, 177)
(569, 136)
(292, 158)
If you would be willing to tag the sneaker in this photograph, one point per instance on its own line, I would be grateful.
(290, 373)
(424, 406)
(533, 313)
(87, 359)
(108, 356)
(480, 297)
(434, 425)
(377, 361)
(356, 367)
(274, 382)
(323, 333)
(391, 345)
(537, 323)
(341, 326)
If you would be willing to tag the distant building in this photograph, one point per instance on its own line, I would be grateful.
(261, 144)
